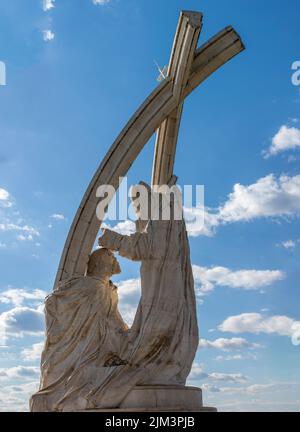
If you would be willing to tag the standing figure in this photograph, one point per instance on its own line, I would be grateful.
(163, 339)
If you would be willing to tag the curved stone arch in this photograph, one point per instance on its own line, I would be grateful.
(191, 69)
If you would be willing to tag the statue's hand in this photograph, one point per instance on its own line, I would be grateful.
(102, 239)
(110, 239)
(106, 239)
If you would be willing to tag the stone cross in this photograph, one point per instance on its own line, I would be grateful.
(161, 111)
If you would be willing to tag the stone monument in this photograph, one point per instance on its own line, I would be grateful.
(91, 360)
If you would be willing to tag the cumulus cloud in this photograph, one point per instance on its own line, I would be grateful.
(129, 294)
(28, 230)
(207, 279)
(128, 288)
(48, 35)
(48, 4)
(210, 388)
(200, 221)
(272, 397)
(21, 321)
(197, 373)
(33, 353)
(229, 377)
(15, 397)
(128, 312)
(17, 296)
(126, 228)
(5, 198)
(12, 223)
(257, 323)
(224, 344)
(58, 216)
(23, 372)
(268, 197)
(289, 244)
(287, 138)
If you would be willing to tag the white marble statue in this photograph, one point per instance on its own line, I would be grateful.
(91, 359)
(84, 333)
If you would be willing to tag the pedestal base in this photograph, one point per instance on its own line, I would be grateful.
(161, 398)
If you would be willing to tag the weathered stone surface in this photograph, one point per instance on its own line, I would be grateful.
(162, 399)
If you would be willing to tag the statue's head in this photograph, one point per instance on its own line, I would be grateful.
(102, 263)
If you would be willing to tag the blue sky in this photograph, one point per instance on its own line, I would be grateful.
(75, 73)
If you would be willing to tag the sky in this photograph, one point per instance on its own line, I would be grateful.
(76, 70)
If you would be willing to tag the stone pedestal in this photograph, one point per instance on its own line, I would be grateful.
(162, 398)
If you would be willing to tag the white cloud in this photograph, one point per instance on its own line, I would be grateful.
(255, 389)
(100, 2)
(12, 222)
(33, 353)
(21, 237)
(272, 397)
(48, 4)
(58, 216)
(197, 373)
(229, 377)
(129, 295)
(200, 221)
(129, 287)
(208, 278)
(289, 244)
(5, 198)
(126, 228)
(268, 197)
(23, 372)
(29, 230)
(257, 323)
(48, 35)
(128, 312)
(234, 357)
(287, 138)
(227, 344)
(18, 296)
(210, 388)
(15, 397)
(21, 321)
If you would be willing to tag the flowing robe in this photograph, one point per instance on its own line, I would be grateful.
(164, 336)
(84, 333)
(90, 360)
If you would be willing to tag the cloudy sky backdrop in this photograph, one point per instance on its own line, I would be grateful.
(76, 70)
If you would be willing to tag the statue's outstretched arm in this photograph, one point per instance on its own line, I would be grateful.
(134, 247)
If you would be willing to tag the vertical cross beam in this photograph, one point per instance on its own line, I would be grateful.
(215, 53)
